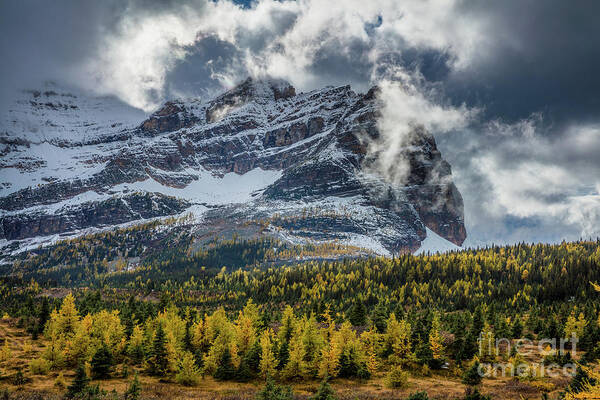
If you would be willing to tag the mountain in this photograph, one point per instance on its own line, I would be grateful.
(259, 159)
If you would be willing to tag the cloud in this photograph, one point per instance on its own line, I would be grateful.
(132, 61)
(405, 110)
(509, 89)
(520, 184)
(130, 49)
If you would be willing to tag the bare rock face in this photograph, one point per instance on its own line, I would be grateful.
(296, 162)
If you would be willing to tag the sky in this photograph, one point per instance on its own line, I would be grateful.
(510, 89)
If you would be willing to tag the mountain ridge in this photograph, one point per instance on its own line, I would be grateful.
(303, 156)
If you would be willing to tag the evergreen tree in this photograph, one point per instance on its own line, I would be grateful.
(158, 361)
(517, 328)
(358, 313)
(102, 363)
(398, 341)
(249, 365)
(477, 323)
(580, 380)
(225, 368)
(471, 376)
(187, 339)
(135, 349)
(379, 317)
(436, 345)
(350, 365)
(43, 316)
(575, 326)
(80, 383)
(295, 365)
(284, 335)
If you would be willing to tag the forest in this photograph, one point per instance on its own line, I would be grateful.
(94, 318)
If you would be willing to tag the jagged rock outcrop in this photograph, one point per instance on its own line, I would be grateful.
(298, 162)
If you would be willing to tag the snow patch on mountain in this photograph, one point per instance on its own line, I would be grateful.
(210, 189)
(434, 243)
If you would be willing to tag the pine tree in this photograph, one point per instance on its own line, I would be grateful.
(517, 328)
(398, 340)
(249, 364)
(294, 367)
(158, 362)
(478, 321)
(65, 321)
(80, 383)
(358, 313)
(575, 326)
(371, 343)
(487, 346)
(380, 317)
(135, 349)
(43, 316)
(225, 368)
(102, 363)
(284, 335)
(472, 376)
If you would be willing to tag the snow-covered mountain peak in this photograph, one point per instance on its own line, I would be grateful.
(293, 161)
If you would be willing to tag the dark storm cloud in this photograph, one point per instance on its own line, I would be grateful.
(543, 56)
(195, 75)
(46, 40)
(39, 40)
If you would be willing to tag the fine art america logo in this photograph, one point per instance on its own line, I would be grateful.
(505, 357)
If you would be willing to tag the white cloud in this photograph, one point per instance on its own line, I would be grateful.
(527, 176)
(406, 108)
(277, 38)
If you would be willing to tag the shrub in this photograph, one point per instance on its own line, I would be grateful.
(133, 390)
(418, 396)
(472, 376)
(396, 378)
(560, 358)
(60, 382)
(39, 366)
(325, 392)
(19, 379)
(473, 394)
(272, 391)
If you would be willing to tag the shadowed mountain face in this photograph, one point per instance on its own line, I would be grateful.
(294, 165)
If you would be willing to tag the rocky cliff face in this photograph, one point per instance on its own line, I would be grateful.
(292, 163)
